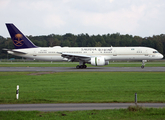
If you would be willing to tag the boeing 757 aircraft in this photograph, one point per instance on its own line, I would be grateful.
(96, 56)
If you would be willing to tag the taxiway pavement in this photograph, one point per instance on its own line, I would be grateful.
(90, 69)
(74, 106)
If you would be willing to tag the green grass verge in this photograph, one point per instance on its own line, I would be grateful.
(73, 64)
(82, 87)
(121, 114)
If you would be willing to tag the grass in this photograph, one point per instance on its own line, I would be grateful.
(82, 87)
(121, 114)
(73, 64)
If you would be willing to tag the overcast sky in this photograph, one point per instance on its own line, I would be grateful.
(43, 17)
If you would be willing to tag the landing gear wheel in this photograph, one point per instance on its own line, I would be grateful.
(81, 66)
(77, 66)
(142, 66)
(84, 66)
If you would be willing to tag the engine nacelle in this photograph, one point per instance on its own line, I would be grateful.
(99, 61)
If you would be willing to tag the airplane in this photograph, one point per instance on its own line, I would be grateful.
(96, 56)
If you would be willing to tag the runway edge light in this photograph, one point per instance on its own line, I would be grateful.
(17, 92)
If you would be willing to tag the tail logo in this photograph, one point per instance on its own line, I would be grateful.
(18, 40)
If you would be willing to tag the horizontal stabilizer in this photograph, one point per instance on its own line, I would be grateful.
(18, 52)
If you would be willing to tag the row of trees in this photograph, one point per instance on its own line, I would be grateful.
(85, 40)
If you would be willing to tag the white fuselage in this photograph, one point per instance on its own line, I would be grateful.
(109, 53)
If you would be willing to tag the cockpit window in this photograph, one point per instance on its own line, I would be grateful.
(155, 52)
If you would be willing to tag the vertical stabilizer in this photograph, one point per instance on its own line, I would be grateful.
(19, 40)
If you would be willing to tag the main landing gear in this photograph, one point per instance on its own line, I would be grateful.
(143, 63)
(81, 66)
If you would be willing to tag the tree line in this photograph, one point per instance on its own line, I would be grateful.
(85, 40)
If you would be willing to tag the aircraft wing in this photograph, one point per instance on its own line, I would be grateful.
(75, 57)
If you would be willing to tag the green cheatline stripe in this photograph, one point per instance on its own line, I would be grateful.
(96, 61)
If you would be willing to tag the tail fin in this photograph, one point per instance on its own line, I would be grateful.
(19, 40)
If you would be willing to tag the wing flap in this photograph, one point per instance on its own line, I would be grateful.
(75, 57)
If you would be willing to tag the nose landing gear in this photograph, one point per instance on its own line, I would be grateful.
(143, 63)
(142, 66)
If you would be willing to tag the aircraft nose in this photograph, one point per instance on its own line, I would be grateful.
(161, 56)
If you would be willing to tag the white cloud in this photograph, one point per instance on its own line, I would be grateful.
(35, 5)
(37, 17)
(111, 1)
(4, 3)
(123, 20)
(54, 21)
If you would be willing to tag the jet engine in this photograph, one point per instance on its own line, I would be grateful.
(99, 61)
